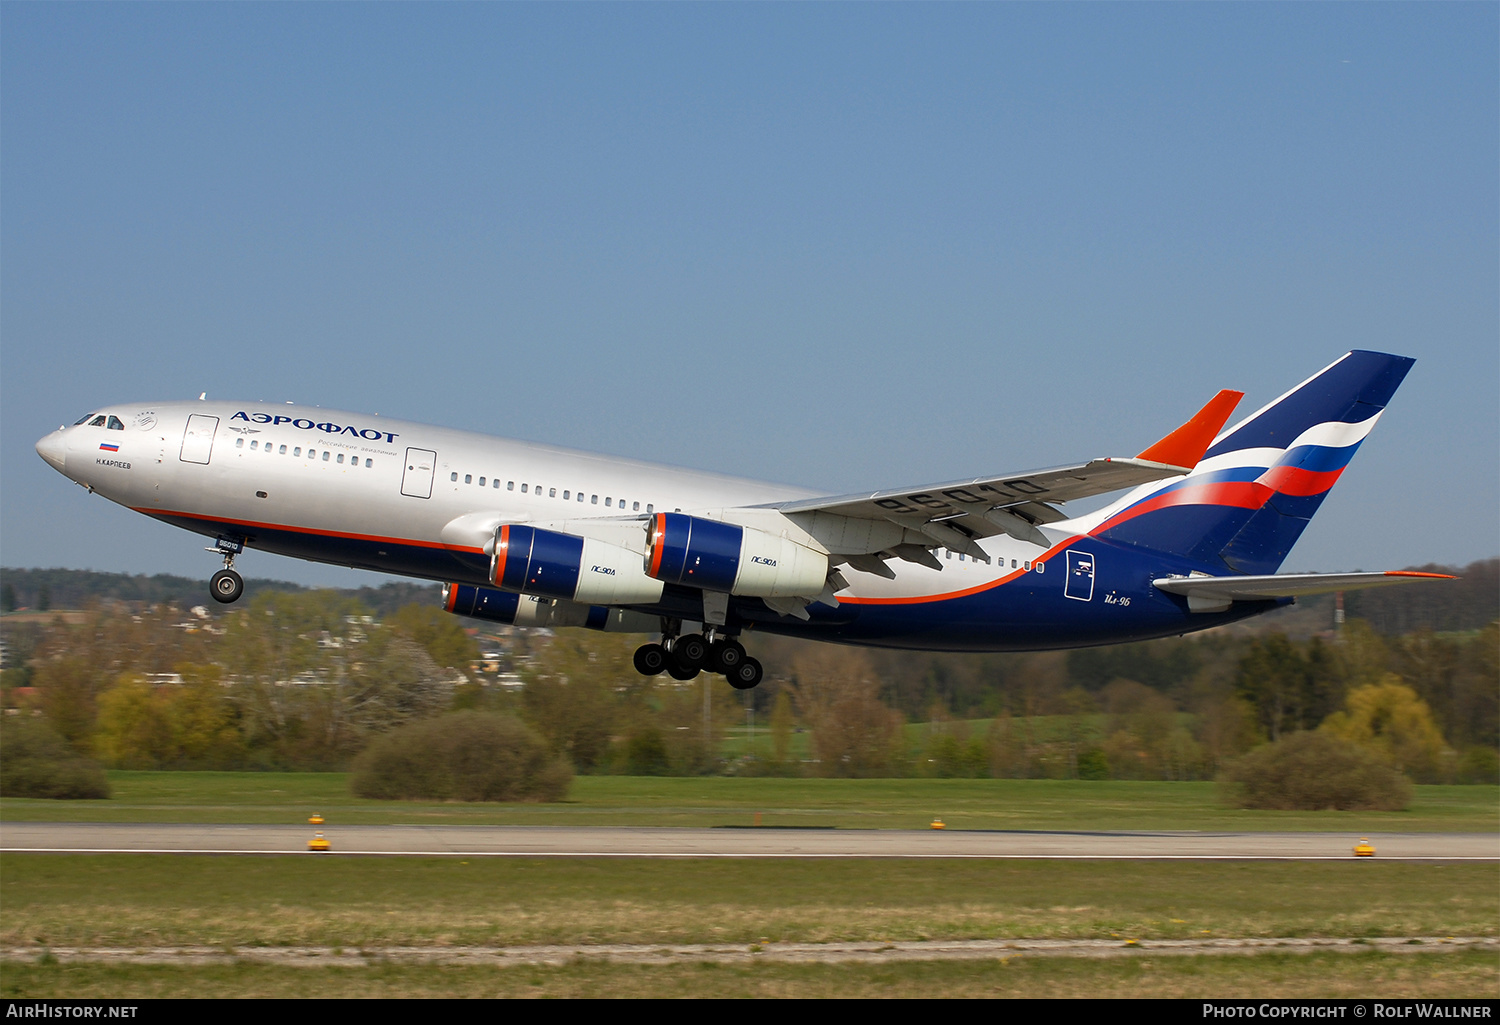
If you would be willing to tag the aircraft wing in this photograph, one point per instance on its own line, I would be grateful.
(1027, 493)
(1286, 585)
(955, 513)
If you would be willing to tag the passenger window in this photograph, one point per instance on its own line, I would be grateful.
(341, 457)
(239, 442)
(635, 507)
(283, 450)
(311, 454)
(523, 489)
(297, 451)
(325, 455)
(567, 496)
(606, 501)
(594, 500)
(468, 478)
(115, 424)
(481, 482)
(510, 485)
(648, 507)
(253, 444)
(369, 463)
(497, 482)
(580, 496)
(453, 476)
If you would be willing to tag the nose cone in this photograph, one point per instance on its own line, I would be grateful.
(54, 449)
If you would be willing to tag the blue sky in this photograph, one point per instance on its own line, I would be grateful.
(838, 245)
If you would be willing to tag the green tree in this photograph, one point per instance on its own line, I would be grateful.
(582, 692)
(463, 756)
(134, 729)
(782, 725)
(316, 678)
(439, 632)
(837, 695)
(35, 761)
(205, 726)
(646, 754)
(1275, 680)
(1311, 771)
(69, 686)
(1389, 720)
(1145, 736)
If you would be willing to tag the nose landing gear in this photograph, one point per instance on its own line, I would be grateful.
(226, 586)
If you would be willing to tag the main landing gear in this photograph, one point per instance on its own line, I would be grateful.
(226, 586)
(683, 658)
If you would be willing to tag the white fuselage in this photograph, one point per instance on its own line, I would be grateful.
(310, 482)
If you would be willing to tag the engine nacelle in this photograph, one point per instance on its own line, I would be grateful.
(725, 557)
(529, 560)
(528, 611)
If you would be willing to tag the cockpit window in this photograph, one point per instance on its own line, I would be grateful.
(82, 419)
(115, 424)
(98, 421)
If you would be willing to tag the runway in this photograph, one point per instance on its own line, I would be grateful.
(548, 841)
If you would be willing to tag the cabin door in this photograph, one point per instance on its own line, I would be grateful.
(416, 481)
(198, 439)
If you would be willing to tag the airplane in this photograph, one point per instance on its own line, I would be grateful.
(536, 536)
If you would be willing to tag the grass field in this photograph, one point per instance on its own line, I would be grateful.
(289, 797)
(130, 900)
(245, 903)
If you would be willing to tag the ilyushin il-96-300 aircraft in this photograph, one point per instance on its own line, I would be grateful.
(536, 536)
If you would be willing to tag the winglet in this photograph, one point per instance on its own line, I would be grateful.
(1186, 445)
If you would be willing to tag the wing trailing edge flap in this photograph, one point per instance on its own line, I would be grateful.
(1214, 594)
(956, 514)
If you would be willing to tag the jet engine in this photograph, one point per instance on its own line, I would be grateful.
(529, 560)
(715, 556)
(529, 611)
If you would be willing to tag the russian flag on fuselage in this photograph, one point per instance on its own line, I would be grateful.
(1248, 500)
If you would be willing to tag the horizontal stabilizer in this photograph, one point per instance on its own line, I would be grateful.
(1286, 585)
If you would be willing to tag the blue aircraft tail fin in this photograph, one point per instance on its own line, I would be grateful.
(1250, 497)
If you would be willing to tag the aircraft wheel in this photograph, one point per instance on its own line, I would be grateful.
(726, 656)
(746, 675)
(677, 671)
(226, 586)
(690, 650)
(650, 659)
